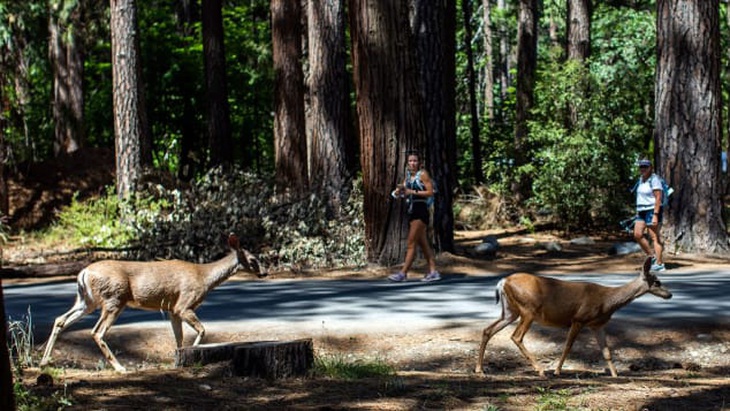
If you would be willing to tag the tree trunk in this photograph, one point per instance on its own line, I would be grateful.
(267, 359)
(220, 142)
(329, 109)
(67, 64)
(290, 140)
(579, 30)
(526, 68)
(476, 143)
(4, 194)
(388, 118)
(504, 63)
(578, 46)
(7, 400)
(488, 60)
(130, 129)
(688, 123)
(434, 28)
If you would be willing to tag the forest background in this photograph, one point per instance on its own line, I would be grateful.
(287, 122)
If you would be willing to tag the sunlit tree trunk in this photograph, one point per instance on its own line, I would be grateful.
(389, 118)
(220, 142)
(290, 140)
(688, 123)
(329, 109)
(433, 28)
(579, 29)
(67, 63)
(488, 60)
(130, 129)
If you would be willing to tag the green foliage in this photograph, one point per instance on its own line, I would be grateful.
(337, 366)
(27, 400)
(192, 222)
(552, 399)
(96, 222)
(582, 169)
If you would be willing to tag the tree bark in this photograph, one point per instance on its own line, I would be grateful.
(264, 359)
(488, 60)
(329, 110)
(688, 123)
(388, 118)
(66, 52)
(526, 68)
(220, 142)
(579, 30)
(290, 140)
(130, 129)
(504, 64)
(434, 30)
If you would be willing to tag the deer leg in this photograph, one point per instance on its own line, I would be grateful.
(507, 318)
(177, 330)
(107, 318)
(192, 320)
(518, 335)
(600, 334)
(79, 310)
(572, 334)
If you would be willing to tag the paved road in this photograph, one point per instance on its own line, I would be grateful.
(352, 305)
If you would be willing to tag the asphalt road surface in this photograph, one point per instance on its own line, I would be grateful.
(375, 305)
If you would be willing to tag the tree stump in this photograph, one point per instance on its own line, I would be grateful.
(262, 359)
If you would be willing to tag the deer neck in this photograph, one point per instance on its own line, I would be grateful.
(623, 295)
(221, 270)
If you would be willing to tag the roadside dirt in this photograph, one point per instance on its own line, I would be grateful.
(682, 367)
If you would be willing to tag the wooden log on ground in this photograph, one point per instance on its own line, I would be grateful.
(207, 353)
(274, 360)
(261, 359)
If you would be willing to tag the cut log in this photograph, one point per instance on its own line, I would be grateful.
(207, 353)
(274, 360)
(261, 359)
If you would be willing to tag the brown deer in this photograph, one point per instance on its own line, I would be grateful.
(558, 303)
(175, 286)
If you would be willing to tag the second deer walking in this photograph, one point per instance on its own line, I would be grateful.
(558, 303)
(175, 286)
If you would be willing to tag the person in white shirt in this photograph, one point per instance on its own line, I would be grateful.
(649, 214)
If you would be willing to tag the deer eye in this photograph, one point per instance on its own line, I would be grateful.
(658, 283)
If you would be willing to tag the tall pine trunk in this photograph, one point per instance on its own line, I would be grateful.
(389, 117)
(329, 101)
(130, 128)
(290, 138)
(434, 30)
(688, 123)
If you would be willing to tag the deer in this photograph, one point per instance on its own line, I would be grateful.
(558, 303)
(175, 286)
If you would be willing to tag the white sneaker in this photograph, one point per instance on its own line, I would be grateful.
(432, 276)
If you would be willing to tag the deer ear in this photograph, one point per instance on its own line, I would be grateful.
(233, 241)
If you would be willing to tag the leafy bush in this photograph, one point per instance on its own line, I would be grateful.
(191, 223)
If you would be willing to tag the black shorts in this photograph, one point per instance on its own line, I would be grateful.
(418, 210)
